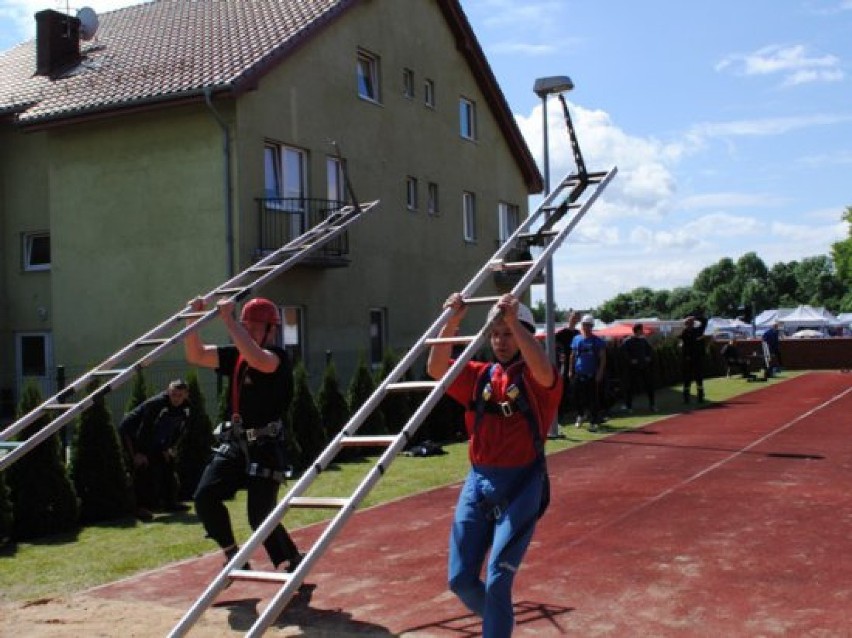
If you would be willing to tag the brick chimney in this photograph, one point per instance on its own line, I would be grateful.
(57, 42)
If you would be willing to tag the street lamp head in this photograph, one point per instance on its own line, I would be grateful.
(552, 85)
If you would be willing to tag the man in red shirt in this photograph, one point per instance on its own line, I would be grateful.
(509, 407)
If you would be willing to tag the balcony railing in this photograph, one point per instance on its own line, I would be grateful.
(282, 219)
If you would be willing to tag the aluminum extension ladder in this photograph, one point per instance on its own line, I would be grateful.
(538, 229)
(121, 366)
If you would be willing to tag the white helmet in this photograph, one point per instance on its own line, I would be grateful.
(588, 319)
(525, 316)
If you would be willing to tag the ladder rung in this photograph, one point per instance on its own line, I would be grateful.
(482, 300)
(10, 445)
(319, 502)
(408, 386)
(59, 406)
(263, 577)
(262, 268)
(436, 341)
(150, 342)
(193, 314)
(510, 265)
(541, 233)
(367, 441)
(228, 291)
(106, 373)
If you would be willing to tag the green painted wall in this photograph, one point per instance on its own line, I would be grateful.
(137, 217)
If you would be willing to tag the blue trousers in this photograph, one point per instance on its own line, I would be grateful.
(473, 535)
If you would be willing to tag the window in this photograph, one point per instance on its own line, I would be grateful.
(469, 211)
(368, 76)
(292, 333)
(429, 93)
(508, 219)
(378, 320)
(37, 251)
(467, 118)
(432, 202)
(408, 83)
(411, 193)
(335, 182)
(285, 180)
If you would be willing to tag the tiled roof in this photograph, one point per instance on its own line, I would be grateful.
(161, 50)
(168, 50)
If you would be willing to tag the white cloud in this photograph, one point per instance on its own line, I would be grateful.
(730, 200)
(792, 62)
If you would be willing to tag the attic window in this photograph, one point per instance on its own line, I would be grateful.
(467, 119)
(368, 76)
(37, 251)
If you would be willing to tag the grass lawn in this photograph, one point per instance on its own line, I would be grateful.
(63, 564)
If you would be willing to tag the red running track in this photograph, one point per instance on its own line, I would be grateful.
(732, 520)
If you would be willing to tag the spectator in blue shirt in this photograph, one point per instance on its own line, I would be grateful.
(586, 372)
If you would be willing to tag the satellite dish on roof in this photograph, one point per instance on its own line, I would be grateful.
(88, 22)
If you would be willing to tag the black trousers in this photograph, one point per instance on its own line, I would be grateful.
(693, 370)
(639, 379)
(586, 395)
(220, 481)
(155, 484)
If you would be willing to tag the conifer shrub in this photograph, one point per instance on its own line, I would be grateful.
(97, 466)
(5, 511)
(138, 391)
(334, 411)
(305, 419)
(360, 388)
(396, 407)
(42, 495)
(195, 446)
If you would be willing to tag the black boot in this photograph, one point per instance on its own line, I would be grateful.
(701, 395)
(686, 395)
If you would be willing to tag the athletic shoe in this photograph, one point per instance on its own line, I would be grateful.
(144, 515)
(579, 422)
(291, 564)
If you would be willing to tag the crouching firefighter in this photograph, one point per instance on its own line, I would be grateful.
(251, 451)
(510, 404)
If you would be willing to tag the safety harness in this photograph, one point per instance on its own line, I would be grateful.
(232, 433)
(517, 403)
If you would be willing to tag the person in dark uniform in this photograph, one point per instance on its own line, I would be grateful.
(251, 454)
(640, 371)
(692, 355)
(149, 434)
(733, 359)
(563, 338)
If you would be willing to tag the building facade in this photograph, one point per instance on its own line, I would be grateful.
(185, 140)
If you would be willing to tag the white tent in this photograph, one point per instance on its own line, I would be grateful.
(805, 317)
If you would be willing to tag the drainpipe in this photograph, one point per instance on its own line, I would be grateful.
(229, 208)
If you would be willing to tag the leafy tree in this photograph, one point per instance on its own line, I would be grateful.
(194, 447)
(43, 498)
(334, 411)
(97, 465)
(841, 253)
(817, 282)
(712, 277)
(782, 280)
(305, 418)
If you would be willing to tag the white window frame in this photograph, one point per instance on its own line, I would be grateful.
(335, 180)
(469, 216)
(286, 176)
(292, 335)
(408, 83)
(433, 200)
(367, 69)
(429, 93)
(411, 196)
(30, 251)
(508, 220)
(378, 336)
(467, 119)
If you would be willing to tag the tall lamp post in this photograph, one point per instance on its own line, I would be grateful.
(543, 87)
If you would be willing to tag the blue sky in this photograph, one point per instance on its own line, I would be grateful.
(730, 123)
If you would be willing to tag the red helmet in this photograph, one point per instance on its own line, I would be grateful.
(261, 310)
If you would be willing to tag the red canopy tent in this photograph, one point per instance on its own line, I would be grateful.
(620, 330)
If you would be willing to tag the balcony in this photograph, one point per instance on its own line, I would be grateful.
(282, 219)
